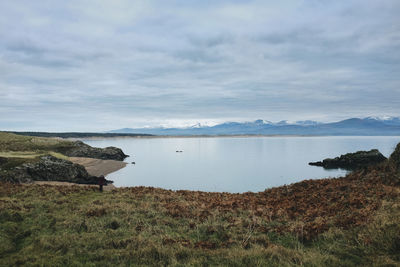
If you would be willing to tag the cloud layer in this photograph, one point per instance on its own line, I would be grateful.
(99, 65)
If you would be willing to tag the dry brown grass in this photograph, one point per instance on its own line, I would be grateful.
(331, 222)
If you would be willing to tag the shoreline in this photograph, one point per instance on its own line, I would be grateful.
(188, 136)
(217, 136)
(97, 167)
(94, 167)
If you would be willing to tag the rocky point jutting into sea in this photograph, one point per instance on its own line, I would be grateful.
(80, 149)
(352, 161)
(25, 159)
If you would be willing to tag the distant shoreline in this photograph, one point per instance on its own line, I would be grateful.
(221, 136)
(67, 135)
(99, 136)
(191, 136)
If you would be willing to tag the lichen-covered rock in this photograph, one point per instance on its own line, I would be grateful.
(80, 149)
(16, 175)
(352, 161)
(50, 168)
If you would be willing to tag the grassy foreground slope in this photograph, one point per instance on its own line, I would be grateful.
(349, 221)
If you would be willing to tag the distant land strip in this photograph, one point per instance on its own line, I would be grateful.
(78, 134)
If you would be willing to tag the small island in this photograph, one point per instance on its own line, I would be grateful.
(352, 161)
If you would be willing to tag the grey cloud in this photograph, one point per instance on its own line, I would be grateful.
(84, 65)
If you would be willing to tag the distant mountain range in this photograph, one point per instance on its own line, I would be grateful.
(369, 126)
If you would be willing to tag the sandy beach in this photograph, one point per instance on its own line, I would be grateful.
(97, 167)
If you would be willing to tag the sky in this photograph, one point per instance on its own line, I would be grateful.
(100, 65)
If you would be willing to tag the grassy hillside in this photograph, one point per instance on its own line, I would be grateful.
(351, 221)
(12, 142)
(26, 149)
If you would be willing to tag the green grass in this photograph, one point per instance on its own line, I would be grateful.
(31, 154)
(79, 226)
(18, 143)
(13, 162)
(19, 154)
(20, 149)
(15, 159)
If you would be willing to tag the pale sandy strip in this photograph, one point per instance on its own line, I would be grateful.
(97, 167)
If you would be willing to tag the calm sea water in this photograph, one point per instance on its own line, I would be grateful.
(232, 164)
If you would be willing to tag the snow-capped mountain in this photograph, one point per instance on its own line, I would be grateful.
(353, 126)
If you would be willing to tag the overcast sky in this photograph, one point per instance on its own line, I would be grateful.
(102, 65)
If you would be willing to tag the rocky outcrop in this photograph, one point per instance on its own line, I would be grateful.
(352, 161)
(50, 168)
(395, 157)
(80, 149)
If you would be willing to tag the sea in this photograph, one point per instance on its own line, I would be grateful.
(232, 164)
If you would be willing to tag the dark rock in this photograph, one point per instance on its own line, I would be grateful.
(16, 175)
(395, 157)
(50, 168)
(3, 160)
(80, 149)
(352, 161)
